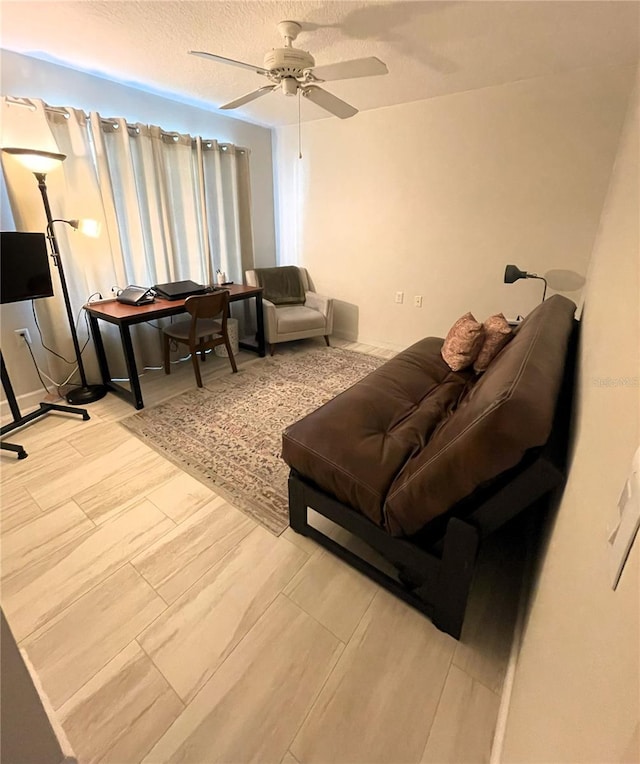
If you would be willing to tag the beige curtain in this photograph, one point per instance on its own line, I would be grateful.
(172, 207)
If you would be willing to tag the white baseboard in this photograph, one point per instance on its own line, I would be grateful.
(516, 643)
(366, 341)
(27, 402)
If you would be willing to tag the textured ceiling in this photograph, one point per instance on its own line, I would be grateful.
(430, 48)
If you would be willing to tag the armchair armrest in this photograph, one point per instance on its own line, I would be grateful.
(322, 304)
(270, 320)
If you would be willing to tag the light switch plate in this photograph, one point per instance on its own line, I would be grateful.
(625, 527)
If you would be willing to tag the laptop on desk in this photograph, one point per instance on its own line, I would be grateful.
(179, 290)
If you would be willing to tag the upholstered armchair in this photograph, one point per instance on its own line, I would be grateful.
(292, 311)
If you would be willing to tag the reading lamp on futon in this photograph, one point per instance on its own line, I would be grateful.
(513, 273)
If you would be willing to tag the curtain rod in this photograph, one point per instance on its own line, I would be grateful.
(133, 129)
(30, 105)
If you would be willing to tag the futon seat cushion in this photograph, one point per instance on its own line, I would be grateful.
(356, 444)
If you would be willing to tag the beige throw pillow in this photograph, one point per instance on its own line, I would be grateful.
(463, 343)
(497, 333)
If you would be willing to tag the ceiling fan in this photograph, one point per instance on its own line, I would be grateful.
(291, 70)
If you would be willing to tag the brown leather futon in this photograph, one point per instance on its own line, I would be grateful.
(422, 462)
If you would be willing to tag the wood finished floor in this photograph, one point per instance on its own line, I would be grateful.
(165, 625)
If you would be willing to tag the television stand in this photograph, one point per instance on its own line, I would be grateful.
(21, 421)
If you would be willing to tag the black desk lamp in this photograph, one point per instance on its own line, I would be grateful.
(513, 273)
(40, 163)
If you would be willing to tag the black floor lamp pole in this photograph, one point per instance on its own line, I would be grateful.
(57, 261)
(85, 393)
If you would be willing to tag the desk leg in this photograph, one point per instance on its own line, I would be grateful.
(132, 370)
(99, 348)
(260, 325)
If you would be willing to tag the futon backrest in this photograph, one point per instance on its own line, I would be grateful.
(508, 411)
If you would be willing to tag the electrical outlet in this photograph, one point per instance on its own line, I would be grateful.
(399, 297)
(417, 301)
(22, 335)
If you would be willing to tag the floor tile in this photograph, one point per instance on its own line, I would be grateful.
(52, 428)
(178, 560)
(100, 439)
(333, 593)
(40, 467)
(98, 554)
(462, 731)
(70, 649)
(14, 584)
(302, 542)
(180, 496)
(105, 498)
(120, 713)
(17, 508)
(380, 700)
(84, 472)
(192, 638)
(340, 535)
(46, 532)
(251, 707)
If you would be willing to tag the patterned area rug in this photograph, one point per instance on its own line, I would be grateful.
(228, 434)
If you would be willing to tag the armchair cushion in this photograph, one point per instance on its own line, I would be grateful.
(281, 285)
(299, 318)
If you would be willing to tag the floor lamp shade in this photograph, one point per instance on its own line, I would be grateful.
(36, 161)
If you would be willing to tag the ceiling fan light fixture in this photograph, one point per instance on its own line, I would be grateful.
(289, 86)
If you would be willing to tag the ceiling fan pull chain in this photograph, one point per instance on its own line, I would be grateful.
(299, 127)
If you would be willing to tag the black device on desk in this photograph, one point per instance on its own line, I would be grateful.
(136, 295)
(178, 290)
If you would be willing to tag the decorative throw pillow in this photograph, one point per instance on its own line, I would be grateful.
(497, 333)
(463, 343)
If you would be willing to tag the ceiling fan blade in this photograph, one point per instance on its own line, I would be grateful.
(231, 61)
(345, 70)
(248, 97)
(329, 102)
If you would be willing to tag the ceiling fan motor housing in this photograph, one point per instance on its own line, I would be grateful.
(288, 62)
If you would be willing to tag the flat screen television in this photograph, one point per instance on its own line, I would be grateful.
(24, 267)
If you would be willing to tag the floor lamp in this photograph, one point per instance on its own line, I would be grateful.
(40, 163)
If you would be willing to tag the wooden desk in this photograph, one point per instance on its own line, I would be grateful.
(124, 316)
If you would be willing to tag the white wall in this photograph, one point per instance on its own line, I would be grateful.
(577, 685)
(23, 76)
(435, 197)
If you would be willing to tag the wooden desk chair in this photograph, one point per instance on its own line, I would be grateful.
(206, 328)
